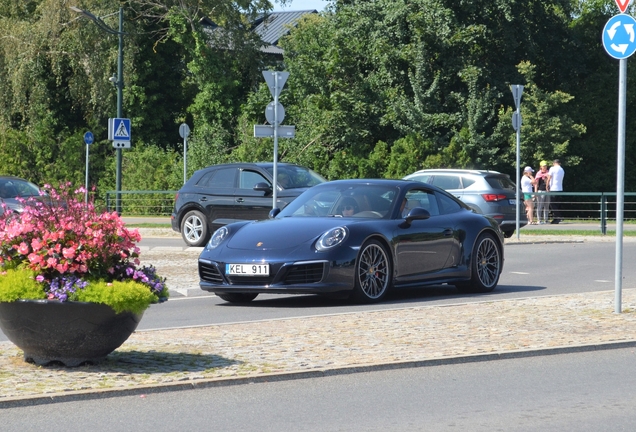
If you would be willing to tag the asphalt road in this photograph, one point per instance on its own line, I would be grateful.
(529, 270)
(592, 391)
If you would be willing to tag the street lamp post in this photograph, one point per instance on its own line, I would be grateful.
(118, 81)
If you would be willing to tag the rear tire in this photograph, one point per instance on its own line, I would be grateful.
(485, 266)
(373, 275)
(194, 229)
(237, 297)
(508, 234)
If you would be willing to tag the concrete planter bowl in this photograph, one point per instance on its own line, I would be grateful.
(71, 333)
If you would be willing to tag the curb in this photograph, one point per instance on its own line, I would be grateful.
(141, 391)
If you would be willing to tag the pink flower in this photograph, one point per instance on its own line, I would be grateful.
(23, 249)
(68, 252)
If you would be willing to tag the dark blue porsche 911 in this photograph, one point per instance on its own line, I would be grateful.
(355, 238)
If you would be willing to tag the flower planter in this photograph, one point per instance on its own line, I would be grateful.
(68, 332)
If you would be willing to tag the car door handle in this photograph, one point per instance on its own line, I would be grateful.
(203, 199)
(240, 200)
(448, 232)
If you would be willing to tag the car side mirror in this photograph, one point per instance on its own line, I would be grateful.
(274, 212)
(263, 187)
(418, 213)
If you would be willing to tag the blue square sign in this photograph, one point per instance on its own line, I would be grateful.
(121, 129)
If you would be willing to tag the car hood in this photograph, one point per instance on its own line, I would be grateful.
(275, 234)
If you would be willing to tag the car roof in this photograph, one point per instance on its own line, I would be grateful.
(400, 183)
(249, 164)
(10, 177)
(455, 171)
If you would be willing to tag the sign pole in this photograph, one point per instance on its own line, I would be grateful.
(619, 42)
(275, 185)
(86, 181)
(88, 140)
(517, 92)
(184, 132)
(620, 184)
(275, 114)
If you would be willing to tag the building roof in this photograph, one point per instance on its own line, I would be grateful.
(270, 27)
(274, 25)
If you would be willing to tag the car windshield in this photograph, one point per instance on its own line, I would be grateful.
(14, 188)
(293, 176)
(361, 200)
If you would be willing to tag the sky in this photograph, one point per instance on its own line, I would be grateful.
(302, 5)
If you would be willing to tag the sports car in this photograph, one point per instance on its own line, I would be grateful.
(355, 238)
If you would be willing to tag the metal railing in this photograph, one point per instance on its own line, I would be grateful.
(591, 206)
(574, 206)
(147, 203)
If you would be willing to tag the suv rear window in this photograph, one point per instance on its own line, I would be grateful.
(500, 182)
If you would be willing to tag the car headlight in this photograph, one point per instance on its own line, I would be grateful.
(218, 237)
(331, 238)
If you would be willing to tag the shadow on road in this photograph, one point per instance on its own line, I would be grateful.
(402, 296)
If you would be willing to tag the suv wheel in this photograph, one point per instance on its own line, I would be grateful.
(194, 229)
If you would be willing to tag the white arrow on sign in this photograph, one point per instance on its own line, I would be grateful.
(621, 48)
(629, 28)
(612, 30)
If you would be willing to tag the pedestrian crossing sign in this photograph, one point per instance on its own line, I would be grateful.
(119, 132)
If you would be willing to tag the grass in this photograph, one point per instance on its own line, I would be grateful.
(567, 232)
(148, 225)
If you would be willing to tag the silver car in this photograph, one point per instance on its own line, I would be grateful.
(487, 192)
(14, 191)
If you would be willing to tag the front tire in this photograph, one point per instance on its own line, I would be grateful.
(373, 274)
(486, 265)
(194, 229)
(237, 297)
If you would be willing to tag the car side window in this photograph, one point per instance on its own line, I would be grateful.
(248, 179)
(447, 182)
(424, 178)
(466, 182)
(423, 199)
(447, 205)
(221, 178)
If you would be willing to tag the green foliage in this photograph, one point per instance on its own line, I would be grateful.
(128, 296)
(18, 284)
(376, 89)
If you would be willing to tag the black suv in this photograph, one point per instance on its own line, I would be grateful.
(222, 194)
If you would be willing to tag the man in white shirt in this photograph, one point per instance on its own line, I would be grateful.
(556, 174)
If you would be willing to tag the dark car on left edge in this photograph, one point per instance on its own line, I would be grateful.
(14, 192)
(226, 193)
(357, 239)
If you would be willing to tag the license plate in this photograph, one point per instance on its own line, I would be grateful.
(512, 201)
(247, 269)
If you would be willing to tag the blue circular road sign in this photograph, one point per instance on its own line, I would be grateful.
(89, 138)
(619, 37)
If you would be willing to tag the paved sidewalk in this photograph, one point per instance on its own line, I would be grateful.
(196, 357)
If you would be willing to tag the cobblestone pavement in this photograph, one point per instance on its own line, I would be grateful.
(160, 360)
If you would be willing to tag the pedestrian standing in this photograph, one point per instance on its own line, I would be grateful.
(527, 187)
(542, 186)
(556, 185)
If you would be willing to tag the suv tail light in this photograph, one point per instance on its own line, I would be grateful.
(494, 197)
